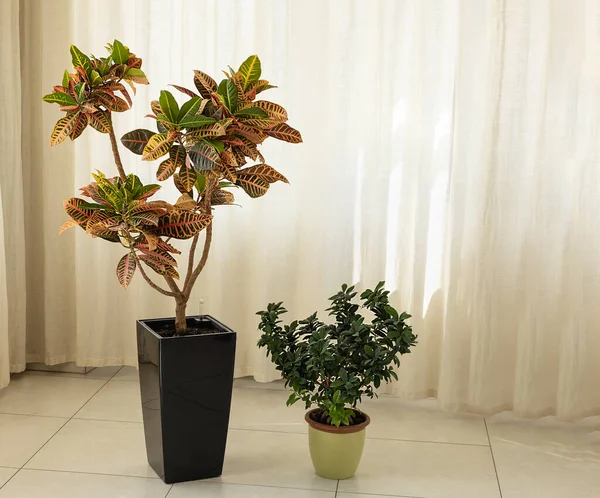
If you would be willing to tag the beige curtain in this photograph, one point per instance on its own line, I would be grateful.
(450, 148)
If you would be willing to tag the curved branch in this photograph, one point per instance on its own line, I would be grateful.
(151, 283)
(115, 149)
(190, 281)
(190, 268)
(172, 285)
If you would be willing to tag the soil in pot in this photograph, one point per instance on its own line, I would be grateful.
(197, 327)
(321, 417)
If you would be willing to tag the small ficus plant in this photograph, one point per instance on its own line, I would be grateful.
(334, 365)
(204, 145)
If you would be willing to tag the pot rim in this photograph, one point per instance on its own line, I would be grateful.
(332, 429)
(145, 322)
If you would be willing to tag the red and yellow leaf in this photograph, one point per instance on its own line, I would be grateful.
(100, 121)
(178, 154)
(212, 130)
(186, 203)
(126, 269)
(148, 218)
(253, 185)
(274, 111)
(264, 171)
(187, 177)
(166, 169)
(80, 124)
(184, 90)
(136, 140)
(204, 156)
(250, 70)
(161, 269)
(63, 128)
(179, 185)
(76, 209)
(221, 197)
(259, 86)
(285, 132)
(66, 225)
(158, 145)
(204, 83)
(152, 239)
(182, 224)
(111, 102)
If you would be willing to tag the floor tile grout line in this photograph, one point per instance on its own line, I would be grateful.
(108, 420)
(10, 478)
(156, 478)
(379, 494)
(228, 483)
(368, 438)
(170, 489)
(337, 486)
(61, 427)
(493, 459)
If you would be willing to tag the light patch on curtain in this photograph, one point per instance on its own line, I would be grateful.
(393, 219)
(358, 200)
(438, 200)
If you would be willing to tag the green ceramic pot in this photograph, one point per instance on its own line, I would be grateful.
(335, 451)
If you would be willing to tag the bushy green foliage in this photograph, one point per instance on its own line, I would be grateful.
(333, 365)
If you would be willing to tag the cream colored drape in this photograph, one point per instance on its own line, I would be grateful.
(450, 148)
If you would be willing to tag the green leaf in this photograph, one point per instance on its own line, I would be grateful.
(190, 108)
(119, 53)
(135, 72)
(230, 98)
(81, 60)
(250, 70)
(136, 75)
(217, 144)
(79, 89)
(200, 183)
(222, 88)
(136, 140)
(95, 78)
(59, 98)
(196, 121)
(169, 106)
(391, 311)
(254, 112)
(65, 80)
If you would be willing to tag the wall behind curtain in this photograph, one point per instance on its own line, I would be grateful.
(450, 148)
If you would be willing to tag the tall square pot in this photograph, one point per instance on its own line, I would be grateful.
(186, 384)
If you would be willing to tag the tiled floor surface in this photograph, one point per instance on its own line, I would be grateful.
(75, 436)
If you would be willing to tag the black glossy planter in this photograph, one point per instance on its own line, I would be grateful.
(186, 385)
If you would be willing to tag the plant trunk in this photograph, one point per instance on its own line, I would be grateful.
(180, 322)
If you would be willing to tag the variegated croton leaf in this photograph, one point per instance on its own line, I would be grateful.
(208, 136)
(217, 130)
(94, 90)
(122, 212)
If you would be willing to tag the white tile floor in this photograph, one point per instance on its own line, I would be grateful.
(73, 436)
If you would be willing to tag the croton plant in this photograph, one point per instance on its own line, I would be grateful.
(208, 146)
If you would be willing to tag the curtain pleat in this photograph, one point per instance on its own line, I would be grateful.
(450, 148)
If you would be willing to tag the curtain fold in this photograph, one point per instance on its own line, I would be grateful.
(450, 148)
